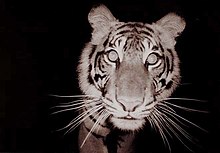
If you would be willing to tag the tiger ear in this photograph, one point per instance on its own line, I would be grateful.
(101, 19)
(170, 27)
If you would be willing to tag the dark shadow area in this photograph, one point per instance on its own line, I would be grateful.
(40, 44)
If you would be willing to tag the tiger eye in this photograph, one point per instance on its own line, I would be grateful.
(152, 59)
(112, 56)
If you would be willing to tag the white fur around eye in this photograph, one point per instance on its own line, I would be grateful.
(112, 56)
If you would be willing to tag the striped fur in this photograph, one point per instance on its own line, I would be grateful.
(125, 71)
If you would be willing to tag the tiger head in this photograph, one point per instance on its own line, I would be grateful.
(130, 67)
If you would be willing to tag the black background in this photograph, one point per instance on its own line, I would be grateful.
(40, 43)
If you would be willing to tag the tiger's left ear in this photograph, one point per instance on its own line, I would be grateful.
(169, 27)
(101, 20)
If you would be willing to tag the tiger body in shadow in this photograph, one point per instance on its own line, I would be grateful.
(125, 72)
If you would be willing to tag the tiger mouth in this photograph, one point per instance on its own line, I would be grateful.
(127, 118)
(127, 123)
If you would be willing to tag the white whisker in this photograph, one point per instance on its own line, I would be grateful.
(63, 110)
(76, 123)
(81, 117)
(72, 103)
(182, 131)
(72, 96)
(76, 103)
(149, 118)
(157, 124)
(159, 117)
(184, 119)
(186, 99)
(104, 118)
(185, 108)
(170, 124)
(179, 128)
(79, 105)
(165, 110)
(76, 119)
(94, 126)
(167, 107)
(69, 109)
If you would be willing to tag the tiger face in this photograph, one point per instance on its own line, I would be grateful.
(128, 68)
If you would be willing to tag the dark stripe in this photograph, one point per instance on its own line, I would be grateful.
(167, 65)
(164, 68)
(169, 84)
(138, 46)
(106, 42)
(104, 90)
(123, 32)
(155, 83)
(148, 28)
(154, 48)
(148, 40)
(163, 82)
(100, 65)
(129, 25)
(111, 44)
(90, 80)
(97, 76)
(146, 33)
(90, 68)
(119, 42)
(138, 25)
(116, 40)
(139, 32)
(142, 48)
(97, 56)
(125, 46)
(94, 134)
(161, 47)
(92, 118)
(92, 51)
(172, 59)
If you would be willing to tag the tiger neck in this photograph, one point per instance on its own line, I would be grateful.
(100, 131)
(93, 144)
(105, 141)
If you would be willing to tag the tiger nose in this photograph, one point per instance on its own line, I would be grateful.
(130, 104)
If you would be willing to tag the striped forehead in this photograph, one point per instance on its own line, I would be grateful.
(129, 35)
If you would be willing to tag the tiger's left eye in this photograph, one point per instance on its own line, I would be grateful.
(112, 56)
(152, 59)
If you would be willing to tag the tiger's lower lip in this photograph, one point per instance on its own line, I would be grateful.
(127, 118)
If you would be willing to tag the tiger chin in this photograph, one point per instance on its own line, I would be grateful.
(125, 71)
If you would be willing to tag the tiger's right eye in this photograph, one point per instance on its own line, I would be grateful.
(112, 56)
(153, 59)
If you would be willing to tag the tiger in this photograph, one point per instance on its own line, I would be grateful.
(125, 73)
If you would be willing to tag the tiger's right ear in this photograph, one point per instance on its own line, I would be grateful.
(101, 20)
(169, 27)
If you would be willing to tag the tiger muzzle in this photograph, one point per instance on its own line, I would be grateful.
(132, 85)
